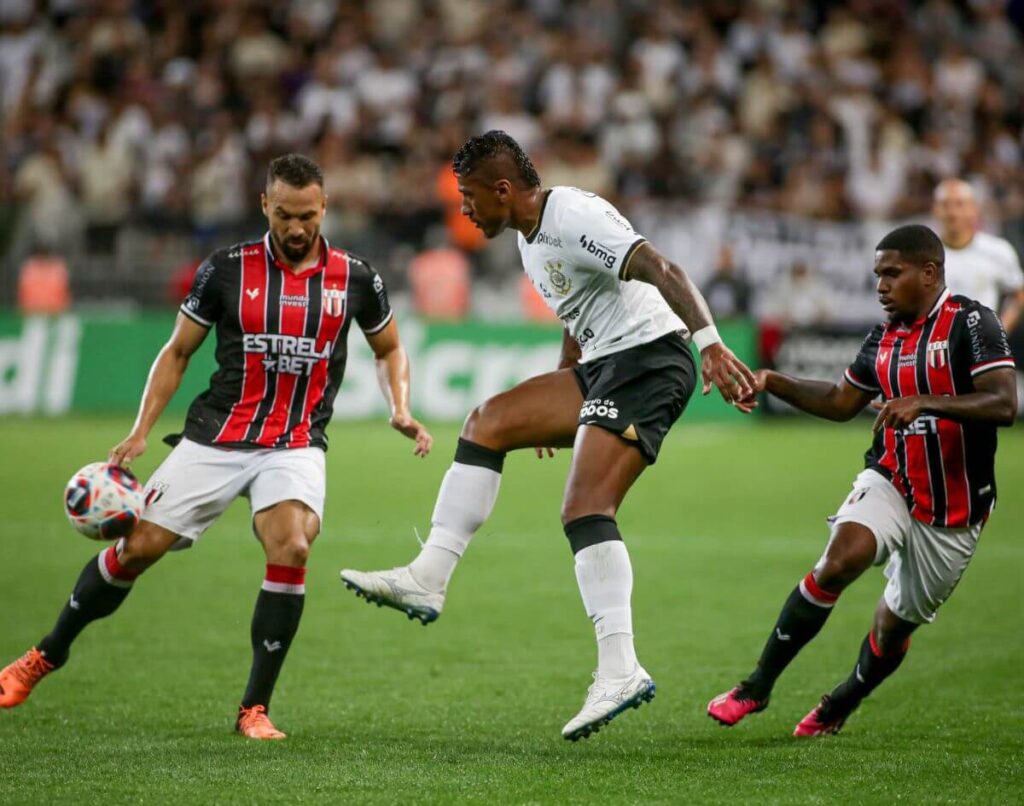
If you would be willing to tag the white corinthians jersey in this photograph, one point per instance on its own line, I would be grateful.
(576, 258)
(985, 270)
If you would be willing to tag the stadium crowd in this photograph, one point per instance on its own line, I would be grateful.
(162, 115)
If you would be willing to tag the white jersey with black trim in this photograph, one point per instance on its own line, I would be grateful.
(576, 258)
(985, 269)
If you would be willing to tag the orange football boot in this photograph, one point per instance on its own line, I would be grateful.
(19, 678)
(253, 723)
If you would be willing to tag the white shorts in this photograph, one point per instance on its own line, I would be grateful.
(925, 562)
(196, 483)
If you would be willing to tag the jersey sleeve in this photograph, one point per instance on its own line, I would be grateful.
(598, 236)
(861, 373)
(982, 341)
(204, 303)
(373, 312)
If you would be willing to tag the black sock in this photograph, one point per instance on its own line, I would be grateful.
(802, 617)
(274, 624)
(101, 587)
(872, 668)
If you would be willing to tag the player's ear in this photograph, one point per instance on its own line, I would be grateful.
(503, 189)
(264, 205)
(930, 273)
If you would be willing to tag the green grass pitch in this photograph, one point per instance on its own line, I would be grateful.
(380, 709)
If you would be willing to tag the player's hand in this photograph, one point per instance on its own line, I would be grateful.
(720, 368)
(540, 452)
(749, 403)
(127, 449)
(898, 413)
(410, 427)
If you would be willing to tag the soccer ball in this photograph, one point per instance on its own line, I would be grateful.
(103, 501)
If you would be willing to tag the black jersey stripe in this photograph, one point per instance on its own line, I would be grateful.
(315, 291)
(273, 325)
(899, 440)
(932, 446)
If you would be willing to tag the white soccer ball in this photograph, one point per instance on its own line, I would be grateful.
(104, 501)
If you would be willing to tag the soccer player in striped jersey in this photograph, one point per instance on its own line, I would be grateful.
(282, 307)
(944, 371)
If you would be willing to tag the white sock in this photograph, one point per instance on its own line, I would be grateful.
(464, 502)
(605, 577)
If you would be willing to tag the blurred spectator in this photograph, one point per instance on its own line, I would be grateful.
(161, 115)
(801, 299)
(727, 292)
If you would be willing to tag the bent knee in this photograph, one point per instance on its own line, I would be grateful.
(834, 575)
(143, 547)
(483, 426)
(292, 550)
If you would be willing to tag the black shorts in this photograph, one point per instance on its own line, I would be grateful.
(640, 392)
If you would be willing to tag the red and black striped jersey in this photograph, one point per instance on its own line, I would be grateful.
(945, 469)
(281, 343)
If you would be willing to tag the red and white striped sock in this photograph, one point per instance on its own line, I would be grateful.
(284, 579)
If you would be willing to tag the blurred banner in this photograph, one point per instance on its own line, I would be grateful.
(81, 363)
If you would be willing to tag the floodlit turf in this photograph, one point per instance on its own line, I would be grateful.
(380, 709)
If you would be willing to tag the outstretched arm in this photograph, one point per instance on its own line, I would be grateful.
(994, 401)
(839, 402)
(392, 364)
(719, 366)
(164, 379)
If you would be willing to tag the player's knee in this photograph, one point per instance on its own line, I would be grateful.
(141, 549)
(835, 574)
(292, 550)
(483, 426)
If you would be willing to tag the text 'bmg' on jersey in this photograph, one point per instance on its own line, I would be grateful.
(944, 469)
(281, 343)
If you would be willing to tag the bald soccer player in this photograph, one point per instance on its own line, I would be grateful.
(979, 265)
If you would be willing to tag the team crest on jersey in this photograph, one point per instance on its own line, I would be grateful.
(938, 354)
(557, 277)
(334, 301)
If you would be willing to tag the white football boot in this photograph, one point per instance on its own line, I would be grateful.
(395, 588)
(606, 699)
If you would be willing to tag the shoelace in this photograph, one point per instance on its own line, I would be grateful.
(31, 669)
(256, 714)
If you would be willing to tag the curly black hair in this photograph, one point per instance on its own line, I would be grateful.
(492, 144)
(295, 170)
(916, 243)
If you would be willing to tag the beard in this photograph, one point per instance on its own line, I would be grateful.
(295, 251)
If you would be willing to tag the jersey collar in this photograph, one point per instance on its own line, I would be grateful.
(540, 218)
(320, 265)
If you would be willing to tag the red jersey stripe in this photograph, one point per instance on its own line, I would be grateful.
(292, 320)
(252, 315)
(883, 359)
(951, 433)
(920, 491)
(335, 280)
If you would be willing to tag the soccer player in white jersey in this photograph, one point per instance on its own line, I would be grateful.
(625, 377)
(979, 265)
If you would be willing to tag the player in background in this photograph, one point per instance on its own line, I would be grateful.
(979, 265)
(943, 367)
(625, 376)
(282, 307)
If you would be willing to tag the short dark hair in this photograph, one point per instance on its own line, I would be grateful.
(295, 170)
(915, 242)
(493, 144)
